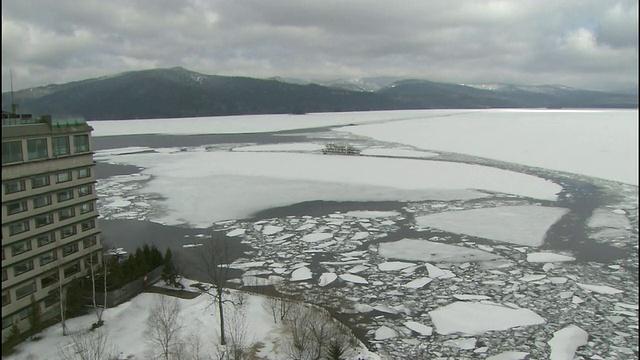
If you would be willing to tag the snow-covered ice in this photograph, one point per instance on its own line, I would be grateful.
(301, 274)
(566, 341)
(548, 257)
(237, 184)
(424, 250)
(385, 332)
(527, 224)
(509, 355)
(419, 328)
(550, 139)
(600, 289)
(474, 318)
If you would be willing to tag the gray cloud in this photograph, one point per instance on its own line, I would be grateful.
(589, 44)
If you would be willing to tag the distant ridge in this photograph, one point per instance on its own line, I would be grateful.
(178, 92)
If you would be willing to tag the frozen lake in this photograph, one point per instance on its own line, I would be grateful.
(391, 240)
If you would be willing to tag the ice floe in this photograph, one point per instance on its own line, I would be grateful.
(384, 332)
(421, 329)
(509, 355)
(566, 341)
(424, 250)
(353, 279)
(548, 257)
(301, 274)
(327, 278)
(527, 224)
(476, 318)
(600, 289)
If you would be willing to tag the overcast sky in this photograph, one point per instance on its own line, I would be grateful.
(585, 44)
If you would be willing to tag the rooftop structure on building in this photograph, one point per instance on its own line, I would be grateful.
(50, 233)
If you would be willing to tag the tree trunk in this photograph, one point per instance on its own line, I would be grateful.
(221, 310)
(61, 298)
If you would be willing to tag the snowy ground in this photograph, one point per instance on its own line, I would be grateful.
(125, 326)
(482, 229)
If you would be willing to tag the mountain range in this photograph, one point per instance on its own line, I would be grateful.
(177, 92)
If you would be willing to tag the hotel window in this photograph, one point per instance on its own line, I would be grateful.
(49, 280)
(23, 267)
(63, 177)
(67, 213)
(37, 149)
(91, 260)
(11, 152)
(81, 143)
(6, 298)
(44, 220)
(26, 290)
(24, 313)
(14, 186)
(87, 225)
(50, 300)
(67, 231)
(86, 207)
(4, 275)
(65, 195)
(84, 173)
(48, 257)
(89, 242)
(45, 239)
(6, 322)
(41, 201)
(21, 247)
(17, 207)
(73, 269)
(60, 146)
(85, 190)
(18, 228)
(70, 249)
(40, 181)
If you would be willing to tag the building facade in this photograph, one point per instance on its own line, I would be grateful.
(50, 232)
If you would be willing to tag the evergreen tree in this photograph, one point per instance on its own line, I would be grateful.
(169, 271)
(156, 256)
(35, 317)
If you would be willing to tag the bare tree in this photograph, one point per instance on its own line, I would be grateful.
(314, 334)
(237, 328)
(62, 299)
(91, 345)
(90, 262)
(278, 306)
(164, 325)
(215, 265)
